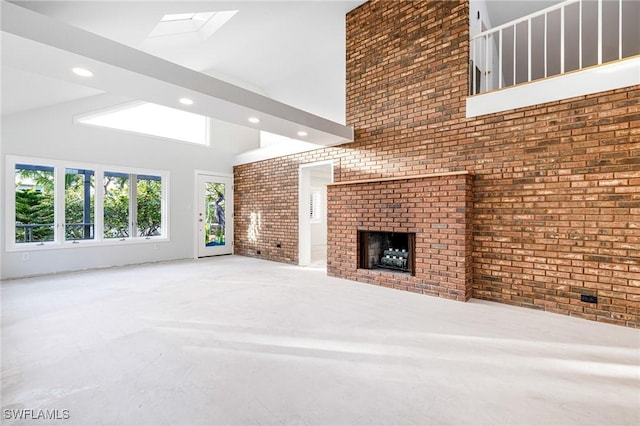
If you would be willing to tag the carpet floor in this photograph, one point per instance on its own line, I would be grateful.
(238, 341)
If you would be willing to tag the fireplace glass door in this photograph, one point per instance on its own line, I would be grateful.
(392, 251)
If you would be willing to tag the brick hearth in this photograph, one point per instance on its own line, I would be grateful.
(436, 207)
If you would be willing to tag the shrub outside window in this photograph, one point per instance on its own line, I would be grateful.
(34, 203)
(116, 205)
(149, 206)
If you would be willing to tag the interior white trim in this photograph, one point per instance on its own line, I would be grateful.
(304, 222)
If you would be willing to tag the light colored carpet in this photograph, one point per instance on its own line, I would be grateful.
(233, 340)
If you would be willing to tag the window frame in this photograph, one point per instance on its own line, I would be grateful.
(59, 170)
(316, 214)
(64, 199)
(10, 201)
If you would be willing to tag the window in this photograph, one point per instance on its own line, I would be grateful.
(215, 208)
(315, 205)
(200, 25)
(149, 206)
(56, 204)
(177, 17)
(34, 203)
(79, 204)
(116, 205)
(152, 120)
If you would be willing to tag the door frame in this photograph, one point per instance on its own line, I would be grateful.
(196, 206)
(304, 223)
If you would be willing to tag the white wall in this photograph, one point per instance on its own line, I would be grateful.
(51, 133)
(478, 7)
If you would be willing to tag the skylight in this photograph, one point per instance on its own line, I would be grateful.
(152, 120)
(177, 17)
(202, 24)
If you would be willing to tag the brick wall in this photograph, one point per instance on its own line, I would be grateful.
(556, 193)
(433, 207)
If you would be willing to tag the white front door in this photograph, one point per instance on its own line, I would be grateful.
(215, 215)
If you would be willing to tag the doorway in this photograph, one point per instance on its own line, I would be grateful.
(214, 215)
(312, 215)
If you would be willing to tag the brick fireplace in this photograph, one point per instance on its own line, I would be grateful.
(409, 233)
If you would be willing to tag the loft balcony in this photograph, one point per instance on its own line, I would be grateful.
(569, 36)
(569, 49)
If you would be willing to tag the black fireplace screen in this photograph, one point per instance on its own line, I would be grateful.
(387, 250)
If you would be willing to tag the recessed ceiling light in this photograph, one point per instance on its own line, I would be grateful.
(254, 120)
(82, 72)
(186, 101)
(302, 133)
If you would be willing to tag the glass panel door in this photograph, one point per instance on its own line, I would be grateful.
(215, 215)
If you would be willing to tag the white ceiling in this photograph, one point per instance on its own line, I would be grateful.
(23, 91)
(290, 51)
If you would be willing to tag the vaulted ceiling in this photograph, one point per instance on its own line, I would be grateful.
(289, 51)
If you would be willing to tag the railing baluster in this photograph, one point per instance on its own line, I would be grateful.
(515, 39)
(562, 40)
(599, 32)
(619, 29)
(471, 61)
(500, 61)
(529, 49)
(472, 67)
(580, 34)
(475, 65)
(486, 64)
(546, 73)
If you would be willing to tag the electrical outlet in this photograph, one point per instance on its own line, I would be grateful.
(588, 298)
(26, 256)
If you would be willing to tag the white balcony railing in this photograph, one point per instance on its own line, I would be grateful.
(569, 36)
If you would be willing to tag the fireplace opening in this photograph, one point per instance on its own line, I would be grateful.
(393, 251)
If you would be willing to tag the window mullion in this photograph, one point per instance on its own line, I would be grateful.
(133, 205)
(99, 206)
(10, 212)
(58, 203)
